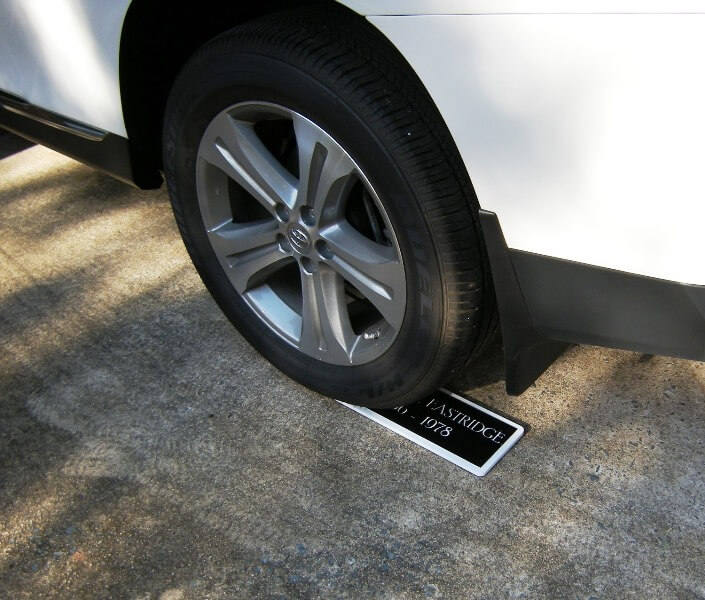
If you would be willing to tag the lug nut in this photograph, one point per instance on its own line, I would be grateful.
(284, 245)
(282, 212)
(307, 216)
(308, 265)
(324, 250)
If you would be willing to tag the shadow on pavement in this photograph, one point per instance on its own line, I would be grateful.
(11, 144)
(147, 451)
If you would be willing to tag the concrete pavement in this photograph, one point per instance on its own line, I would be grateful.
(146, 451)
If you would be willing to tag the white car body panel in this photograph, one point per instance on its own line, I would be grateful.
(494, 7)
(65, 57)
(585, 134)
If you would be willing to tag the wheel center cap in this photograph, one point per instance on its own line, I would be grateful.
(299, 239)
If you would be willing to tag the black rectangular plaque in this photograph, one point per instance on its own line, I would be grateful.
(453, 427)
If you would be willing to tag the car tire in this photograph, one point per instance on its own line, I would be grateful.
(326, 209)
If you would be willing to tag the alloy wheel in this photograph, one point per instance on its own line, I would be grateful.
(301, 234)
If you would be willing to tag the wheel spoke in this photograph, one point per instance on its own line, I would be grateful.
(325, 324)
(234, 147)
(324, 170)
(231, 239)
(375, 270)
(250, 250)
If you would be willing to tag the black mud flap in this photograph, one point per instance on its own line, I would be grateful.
(527, 352)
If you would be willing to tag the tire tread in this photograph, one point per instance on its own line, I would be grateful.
(343, 49)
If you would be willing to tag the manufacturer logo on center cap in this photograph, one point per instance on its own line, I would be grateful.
(299, 240)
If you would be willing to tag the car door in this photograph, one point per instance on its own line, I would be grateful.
(63, 56)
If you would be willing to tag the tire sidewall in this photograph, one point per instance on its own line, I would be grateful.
(215, 83)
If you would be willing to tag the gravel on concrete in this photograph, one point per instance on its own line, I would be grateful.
(146, 451)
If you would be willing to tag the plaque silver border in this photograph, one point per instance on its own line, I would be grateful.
(442, 452)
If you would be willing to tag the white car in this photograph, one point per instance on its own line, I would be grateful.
(368, 188)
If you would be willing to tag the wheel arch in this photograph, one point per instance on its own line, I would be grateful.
(147, 71)
(158, 37)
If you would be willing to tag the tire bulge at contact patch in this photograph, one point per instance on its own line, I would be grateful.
(455, 428)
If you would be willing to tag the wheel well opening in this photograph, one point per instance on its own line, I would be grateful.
(158, 37)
